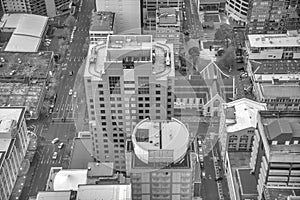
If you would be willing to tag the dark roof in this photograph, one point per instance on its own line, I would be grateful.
(211, 1)
(247, 182)
(81, 154)
(279, 193)
(275, 66)
(102, 21)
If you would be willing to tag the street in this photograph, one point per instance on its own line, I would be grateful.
(56, 127)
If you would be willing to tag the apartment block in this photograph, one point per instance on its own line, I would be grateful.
(275, 157)
(102, 25)
(273, 16)
(13, 145)
(127, 79)
(159, 160)
(38, 7)
(276, 83)
(238, 123)
(237, 10)
(273, 46)
(127, 14)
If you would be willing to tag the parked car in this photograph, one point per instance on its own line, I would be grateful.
(70, 92)
(55, 140)
(54, 157)
(75, 94)
(61, 145)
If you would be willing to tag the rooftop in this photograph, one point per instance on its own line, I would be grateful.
(239, 159)
(57, 195)
(290, 90)
(247, 182)
(11, 113)
(274, 40)
(69, 179)
(23, 64)
(244, 114)
(167, 16)
(107, 192)
(81, 153)
(130, 52)
(275, 67)
(100, 169)
(19, 94)
(22, 43)
(152, 137)
(211, 1)
(280, 193)
(102, 21)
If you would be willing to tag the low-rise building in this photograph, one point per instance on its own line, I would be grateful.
(237, 124)
(159, 161)
(275, 153)
(211, 6)
(13, 145)
(102, 25)
(273, 46)
(276, 83)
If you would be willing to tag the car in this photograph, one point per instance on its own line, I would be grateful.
(203, 173)
(71, 73)
(199, 143)
(54, 156)
(200, 150)
(219, 178)
(55, 140)
(75, 94)
(244, 75)
(61, 145)
(70, 92)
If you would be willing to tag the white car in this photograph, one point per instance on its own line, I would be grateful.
(75, 94)
(54, 157)
(70, 92)
(55, 140)
(61, 145)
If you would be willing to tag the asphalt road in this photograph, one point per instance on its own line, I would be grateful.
(65, 131)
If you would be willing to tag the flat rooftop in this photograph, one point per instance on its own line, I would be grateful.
(11, 113)
(291, 90)
(273, 40)
(19, 94)
(22, 64)
(102, 21)
(54, 195)
(100, 169)
(130, 42)
(167, 16)
(239, 159)
(247, 182)
(151, 136)
(271, 193)
(275, 67)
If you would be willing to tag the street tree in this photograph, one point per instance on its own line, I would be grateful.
(70, 21)
(224, 33)
(227, 60)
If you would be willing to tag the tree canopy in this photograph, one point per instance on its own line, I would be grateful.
(223, 33)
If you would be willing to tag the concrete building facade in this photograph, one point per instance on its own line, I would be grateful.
(159, 162)
(126, 79)
(237, 10)
(13, 145)
(38, 7)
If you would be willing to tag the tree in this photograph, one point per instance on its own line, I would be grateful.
(70, 21)
(227, 60)
(224, 33)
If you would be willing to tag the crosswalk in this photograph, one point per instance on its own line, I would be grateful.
(76, 58)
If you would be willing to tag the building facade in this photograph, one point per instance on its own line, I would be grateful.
(275, 154)
(127, 14)
(127, 79)
(159, 162)
(237, 10)
(273, 46)
(272, 16)
(211, 6)
(13, 145)
(38, 7)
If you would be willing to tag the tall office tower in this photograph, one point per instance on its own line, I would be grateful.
(38, 7)
(275, 159)
(13, 145)
(273, 16)
(237, 10)
(159, 161)
(127, 14)
(128, 78)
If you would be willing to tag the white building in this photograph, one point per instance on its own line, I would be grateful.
(28, 31)
(237, 10)
(127, 79)
(13, 145)
(127, 14)
(274, 46)
(102, 25)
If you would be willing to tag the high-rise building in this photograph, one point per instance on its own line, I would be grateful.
(273, 16)
(38, 7)
(237, 10)
(127, 14)
(275, 159)
(13, 145)
(159, 161)
(128, 78)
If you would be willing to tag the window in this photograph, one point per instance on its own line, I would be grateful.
(91, 100)
(157, 111)
(103, 117)
(103, 123)
(274, 142)
(157, 98)
(143, 85)
(112, 98)
(101, 99)
(147, 105)
(101, 92)
(100, 86)
(101, 105)
(147, 98)
(157, 92)
(102, 111)
(114, 85)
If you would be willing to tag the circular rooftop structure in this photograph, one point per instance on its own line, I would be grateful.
(69, 179)
(157, 141)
